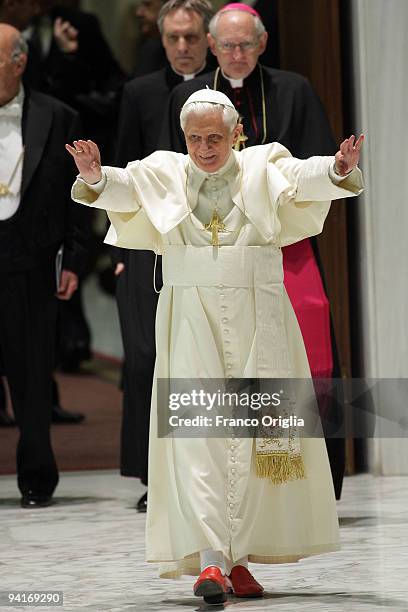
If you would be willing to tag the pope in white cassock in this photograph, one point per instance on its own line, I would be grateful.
(219, 218)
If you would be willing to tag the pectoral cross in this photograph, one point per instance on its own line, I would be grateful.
(240, 141)
(215, 226)
(241, 138)
(4, 190)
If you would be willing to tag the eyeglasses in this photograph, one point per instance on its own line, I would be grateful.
(227, 47)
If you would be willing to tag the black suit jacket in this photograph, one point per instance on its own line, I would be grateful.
(47, 217)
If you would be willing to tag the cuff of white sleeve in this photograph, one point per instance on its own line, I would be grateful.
(337, 178)
(96, 187)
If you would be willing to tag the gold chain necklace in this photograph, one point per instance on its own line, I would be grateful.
(5, 187)
(244, 138)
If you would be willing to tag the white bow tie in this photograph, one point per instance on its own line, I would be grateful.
(13, 110)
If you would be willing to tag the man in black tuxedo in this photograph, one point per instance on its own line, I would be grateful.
(69, 59)
(37, 216)
(183, 25)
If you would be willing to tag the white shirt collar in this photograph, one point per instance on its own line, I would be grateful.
(233, 82)
(14, 108)
(188, 77)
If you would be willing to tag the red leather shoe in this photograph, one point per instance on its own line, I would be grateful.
(244, 584)
(212, 585)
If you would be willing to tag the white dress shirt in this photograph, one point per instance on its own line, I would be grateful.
(11, 146)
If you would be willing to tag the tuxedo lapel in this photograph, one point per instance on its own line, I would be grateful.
(36, 126)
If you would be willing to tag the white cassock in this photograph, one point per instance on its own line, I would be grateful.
(223, 312)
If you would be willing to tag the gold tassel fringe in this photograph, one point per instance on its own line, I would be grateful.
(280, 468)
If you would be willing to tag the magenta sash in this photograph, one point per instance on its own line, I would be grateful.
(305, 289)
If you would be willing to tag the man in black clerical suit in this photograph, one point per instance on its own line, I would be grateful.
(275, 106)
(183, 25)
(37, 216)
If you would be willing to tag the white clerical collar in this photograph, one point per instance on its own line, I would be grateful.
(233, 82)
(14, 108)
(188, 77)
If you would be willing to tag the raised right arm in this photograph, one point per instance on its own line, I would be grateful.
(104, 187)
(87, 158)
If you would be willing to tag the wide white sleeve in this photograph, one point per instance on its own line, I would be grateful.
(143, 201)
(118, 195)
(311, 186)
(313, 179)
(116, 191)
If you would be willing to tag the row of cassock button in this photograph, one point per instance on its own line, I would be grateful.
(226, 331)
(232, 447)
(231, 487)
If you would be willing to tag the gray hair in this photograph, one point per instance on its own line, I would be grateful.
(259, 26)
(202, 7)
(229, 114)
(18, 48)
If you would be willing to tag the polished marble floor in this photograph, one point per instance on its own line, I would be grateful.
(90, 546)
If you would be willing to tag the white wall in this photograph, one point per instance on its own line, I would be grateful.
(380, 51)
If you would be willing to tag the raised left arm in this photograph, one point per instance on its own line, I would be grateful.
(322, 178)
(308, 186)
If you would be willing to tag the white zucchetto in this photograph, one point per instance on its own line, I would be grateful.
(209, 95)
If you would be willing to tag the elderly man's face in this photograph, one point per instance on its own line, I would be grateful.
(208, 139)
(184, 40)
(10, 71)
(237, 45)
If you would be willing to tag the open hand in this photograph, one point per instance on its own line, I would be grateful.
(66, 36)
(346, 159)
(87, 158)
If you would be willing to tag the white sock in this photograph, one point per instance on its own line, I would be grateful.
(212, 557)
